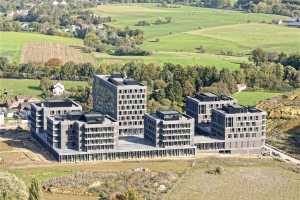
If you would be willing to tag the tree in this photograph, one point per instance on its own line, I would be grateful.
(258, 56)
(12, 188)
(188, 88)
(4, 62)
(174, 91)
(35, 192)
(45, 85)
(92, 40)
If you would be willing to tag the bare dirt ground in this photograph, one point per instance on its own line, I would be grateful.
(20, 149)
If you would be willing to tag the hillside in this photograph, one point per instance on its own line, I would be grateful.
(284, 121)
(205, 36)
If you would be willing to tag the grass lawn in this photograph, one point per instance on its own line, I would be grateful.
(29, 87)
(11, 43)
(251, 98)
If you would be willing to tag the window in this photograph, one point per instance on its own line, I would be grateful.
(229, 136)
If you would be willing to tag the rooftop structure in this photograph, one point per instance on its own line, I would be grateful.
(123, 99)
(200, 106)
(234, 109)
(207, 96)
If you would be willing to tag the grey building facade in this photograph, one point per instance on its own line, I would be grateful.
(123, 99)
(40, 111)
(242, 128)
(200, 106)
(169, 129)
(83, 132)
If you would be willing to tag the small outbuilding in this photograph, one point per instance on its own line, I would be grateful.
(58, 89)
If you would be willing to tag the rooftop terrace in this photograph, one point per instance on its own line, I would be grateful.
(207, 96)
(119, 80)
(233, 109)
(89, 118)
(55, 103)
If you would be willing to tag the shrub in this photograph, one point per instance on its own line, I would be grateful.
(216, 171)
(129, 51)
(53, 62)
(11, 187)
(200, 49)
(143, 23)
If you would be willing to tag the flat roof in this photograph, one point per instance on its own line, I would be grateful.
(208, 96)
(168, 115)
(87, 117)
(55, 103)
(119, 80)
(233, 109)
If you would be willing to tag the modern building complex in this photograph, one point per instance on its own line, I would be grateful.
(242, 128)
(123, 99)
(119, 127)
(169, 129)
(200, 106)
(82, 132)
(40, 112)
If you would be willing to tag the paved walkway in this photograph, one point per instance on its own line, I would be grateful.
(276, 153)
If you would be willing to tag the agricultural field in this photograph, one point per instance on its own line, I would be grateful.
(185, 18)
(29, 87)
(251, 98)
(41, 52)
(217, 32)
(11, 43)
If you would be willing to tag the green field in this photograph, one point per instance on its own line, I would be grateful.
(30, 87)
(216, 30)
(185, 18)
(183, 58)
(11, 43)
(251, 98)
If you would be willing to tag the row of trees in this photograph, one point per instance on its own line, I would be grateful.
(169, 84)
(285, 7)
(67, 71)
(259, 56)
